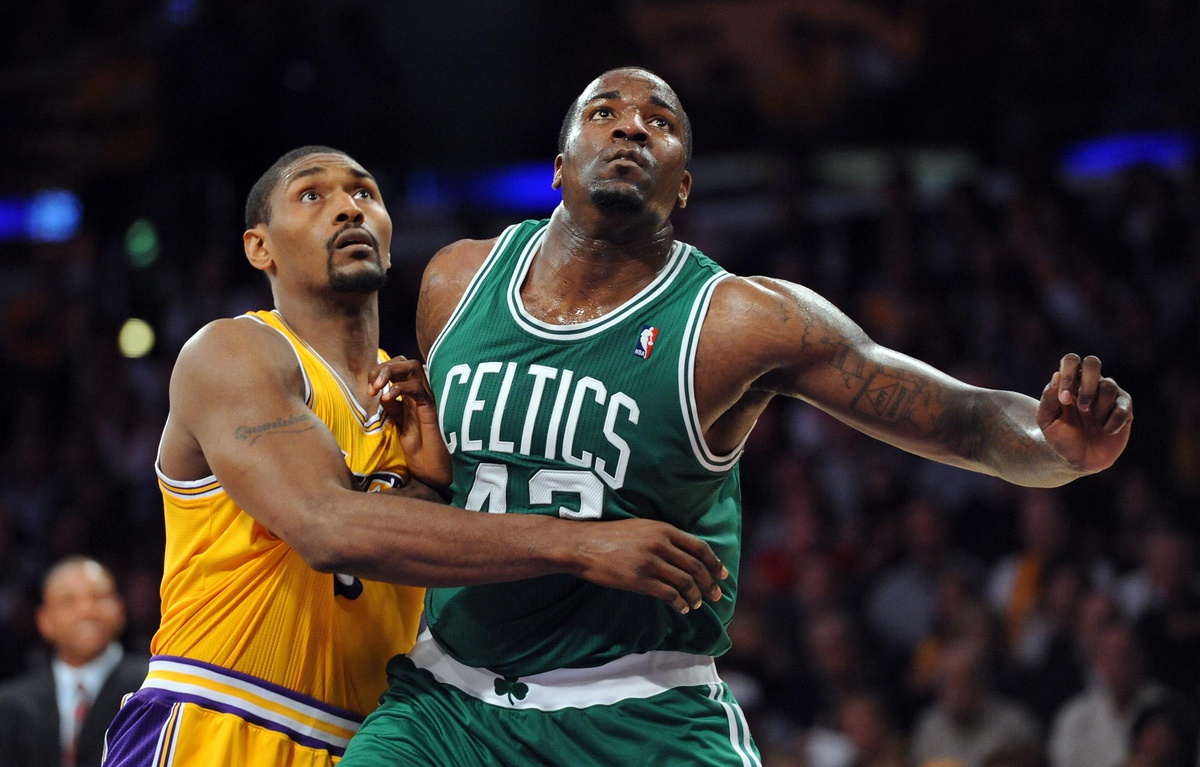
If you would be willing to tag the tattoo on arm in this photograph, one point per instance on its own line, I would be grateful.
(292, 424)
(887, 395)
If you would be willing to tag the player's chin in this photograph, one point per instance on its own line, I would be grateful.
(362, 277)
(618, 198)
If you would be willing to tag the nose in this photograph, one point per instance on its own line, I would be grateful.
(348, 210)
(631, 127)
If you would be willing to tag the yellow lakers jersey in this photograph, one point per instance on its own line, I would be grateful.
(236, 596)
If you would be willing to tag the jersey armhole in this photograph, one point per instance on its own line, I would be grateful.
(501, 245)
(687, 380)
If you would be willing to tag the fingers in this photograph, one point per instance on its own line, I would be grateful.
(1049, 405)
(650, 558)
(1079, 381)
(1089, 379)
(688, 570)
(1113, 407)
(1068, 378)
(400, 377)
(701, 563)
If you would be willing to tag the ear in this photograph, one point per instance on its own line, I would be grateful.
(44, 626)
(556, 183)
(685, 188)
(254, 242)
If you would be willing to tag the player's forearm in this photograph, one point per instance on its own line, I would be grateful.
(405, 540)
(1002, 438)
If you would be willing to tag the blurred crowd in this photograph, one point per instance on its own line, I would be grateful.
(892, 611)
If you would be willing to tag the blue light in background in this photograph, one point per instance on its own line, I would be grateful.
(523, 188)
(516, 189)
(1112, 154)
(52, 215)
(12, 219)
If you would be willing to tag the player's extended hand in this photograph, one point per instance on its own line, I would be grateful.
(1085, 418)
(407, 399)
(651, 558)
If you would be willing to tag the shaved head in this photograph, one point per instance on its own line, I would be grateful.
(590, 93)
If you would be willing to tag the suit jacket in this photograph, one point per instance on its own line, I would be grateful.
(29, 716)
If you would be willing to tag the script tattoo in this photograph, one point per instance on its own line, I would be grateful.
(292, 424)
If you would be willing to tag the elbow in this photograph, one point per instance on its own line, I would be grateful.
(322, 542)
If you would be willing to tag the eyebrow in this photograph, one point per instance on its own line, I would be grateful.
(653, 100)
(318, 169)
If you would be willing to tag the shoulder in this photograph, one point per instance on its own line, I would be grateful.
(770, 299)
(457, 262)
(446, 278)
(233, 341)
(776, 322)
(229, 355)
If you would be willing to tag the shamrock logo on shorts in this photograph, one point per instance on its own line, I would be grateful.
(510, 687)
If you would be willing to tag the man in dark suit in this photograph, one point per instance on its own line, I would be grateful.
(56, 716)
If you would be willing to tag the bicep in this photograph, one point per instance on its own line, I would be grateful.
(832, 364)
(248, 416)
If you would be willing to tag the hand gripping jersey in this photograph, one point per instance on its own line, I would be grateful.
(248, 628)
(588, 421)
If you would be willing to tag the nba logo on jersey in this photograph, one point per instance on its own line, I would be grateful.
(645, 344)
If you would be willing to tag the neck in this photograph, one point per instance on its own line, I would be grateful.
(343, 328)
(581, 272)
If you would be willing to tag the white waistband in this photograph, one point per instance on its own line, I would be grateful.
(633, 676)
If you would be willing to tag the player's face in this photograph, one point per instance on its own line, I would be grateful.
(626, 152)
(329, 224)
(81, 612)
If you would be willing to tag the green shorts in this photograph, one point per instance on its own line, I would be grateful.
(659, 708)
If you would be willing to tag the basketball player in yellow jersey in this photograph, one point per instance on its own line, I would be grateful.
(264, 655)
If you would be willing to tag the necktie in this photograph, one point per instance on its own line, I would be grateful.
(82, 704)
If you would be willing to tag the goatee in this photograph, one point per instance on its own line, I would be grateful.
(358, 281)
(617, 201)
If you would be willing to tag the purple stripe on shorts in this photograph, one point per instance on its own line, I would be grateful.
(284, 691)
(133, 736)
(134, 733)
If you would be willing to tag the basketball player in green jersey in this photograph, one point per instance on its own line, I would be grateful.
(592, 367)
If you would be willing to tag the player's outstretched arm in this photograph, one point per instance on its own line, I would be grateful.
(245, 420)
(802, 346)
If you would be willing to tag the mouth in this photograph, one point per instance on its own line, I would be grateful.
(626, 155)
(356, 241)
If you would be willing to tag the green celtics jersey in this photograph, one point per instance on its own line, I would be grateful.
(587, 422)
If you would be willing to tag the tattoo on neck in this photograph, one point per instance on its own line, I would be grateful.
(292, 424)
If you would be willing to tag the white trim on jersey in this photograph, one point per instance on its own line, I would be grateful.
(308, 392)
(548, 330)
(179, 487)
(472, 288)
(687, 384)
(347, 392)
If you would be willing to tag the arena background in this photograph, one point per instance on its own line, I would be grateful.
(985, 185)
